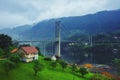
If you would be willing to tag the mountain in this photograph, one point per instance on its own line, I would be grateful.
(101, 22)
(16, 32)
(76, 28)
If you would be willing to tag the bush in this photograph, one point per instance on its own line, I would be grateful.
(63, 64)
(47, 58)
(14, 58)
(54, 64)
(83, 71)
(8, 66)
(74, 67)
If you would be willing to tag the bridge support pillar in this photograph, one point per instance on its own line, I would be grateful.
(57, 39)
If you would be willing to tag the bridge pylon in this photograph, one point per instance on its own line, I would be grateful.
(57, 39)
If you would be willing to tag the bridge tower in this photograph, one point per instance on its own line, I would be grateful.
(57, 39)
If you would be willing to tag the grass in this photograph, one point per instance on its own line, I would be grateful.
(25, 72)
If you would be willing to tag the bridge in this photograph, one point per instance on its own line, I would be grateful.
(56, 43)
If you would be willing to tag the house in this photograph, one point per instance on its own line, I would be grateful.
(27, 53)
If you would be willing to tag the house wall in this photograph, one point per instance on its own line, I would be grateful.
(29, 57)
(36, 57)
(21, 52)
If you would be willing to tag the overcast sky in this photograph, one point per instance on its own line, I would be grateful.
(20, 12)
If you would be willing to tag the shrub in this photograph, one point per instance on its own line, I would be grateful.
(63, 64)
(8, 66)
(47, 58)
(54, 64)
(74, 67)
(15, 58)
(83, 71)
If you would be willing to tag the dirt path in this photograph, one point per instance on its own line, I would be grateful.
(3, 59)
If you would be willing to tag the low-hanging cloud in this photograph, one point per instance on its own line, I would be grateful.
(18, 12)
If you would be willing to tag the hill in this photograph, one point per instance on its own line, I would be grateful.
(25, 72)
(16, 32)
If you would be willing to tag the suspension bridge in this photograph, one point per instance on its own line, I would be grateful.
(56, 43)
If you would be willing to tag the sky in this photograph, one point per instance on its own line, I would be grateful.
(19, 12)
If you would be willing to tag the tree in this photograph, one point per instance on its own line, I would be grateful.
(54, 65)
(8, 66)
(83, 71)
(5, 41)
(63, 64)
(37, 67)
(15, 43)
(1, 52)
(15, 58)
(39, 52)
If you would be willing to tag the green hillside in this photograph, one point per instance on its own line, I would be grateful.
(25, 72)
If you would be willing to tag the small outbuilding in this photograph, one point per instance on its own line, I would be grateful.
(53, 58)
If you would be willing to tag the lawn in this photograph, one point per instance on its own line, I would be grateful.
(25, 72)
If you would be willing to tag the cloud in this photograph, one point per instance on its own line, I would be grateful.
(12, 20)
(17, 12)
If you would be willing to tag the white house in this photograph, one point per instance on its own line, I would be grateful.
(27, 53)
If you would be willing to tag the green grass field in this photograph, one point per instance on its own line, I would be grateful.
(25, 72)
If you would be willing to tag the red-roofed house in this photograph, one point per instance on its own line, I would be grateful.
(28, 53)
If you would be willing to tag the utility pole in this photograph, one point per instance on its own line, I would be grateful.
(57, 39)
(91, 45)
(44, 48)
(90, 41)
